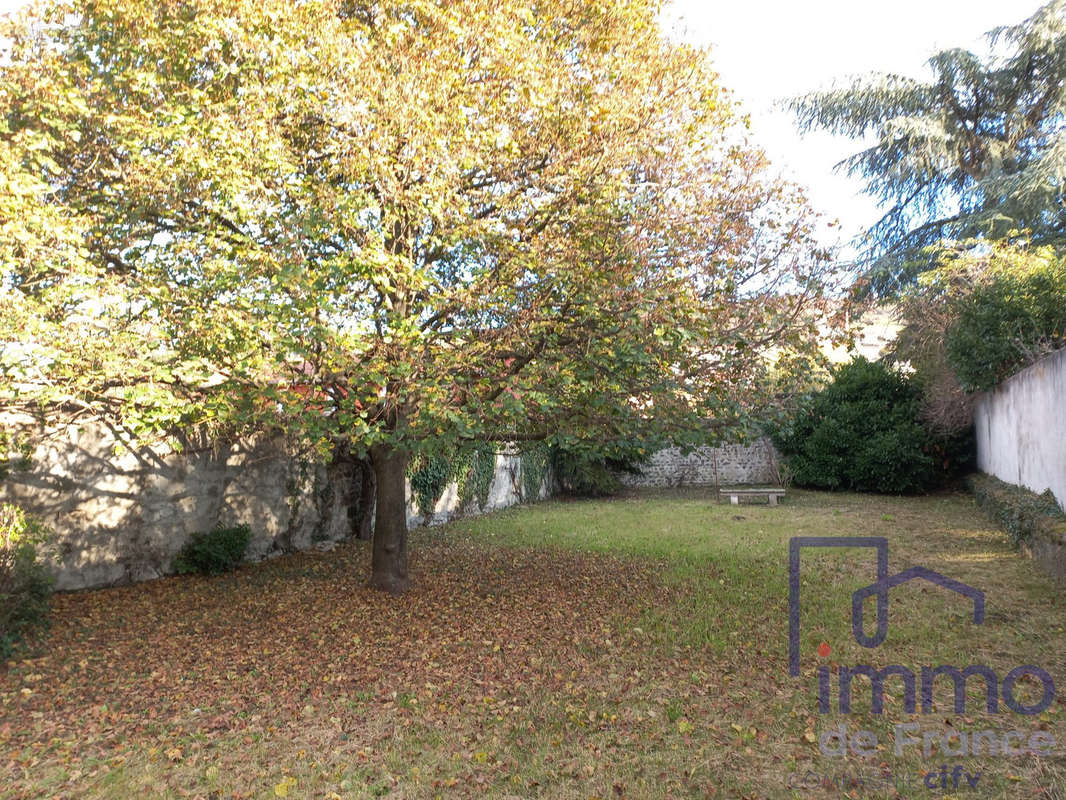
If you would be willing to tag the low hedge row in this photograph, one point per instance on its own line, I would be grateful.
(1034, 522)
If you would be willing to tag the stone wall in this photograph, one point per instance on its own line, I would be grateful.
(1021, 428)
(122, 513)
(736, 464)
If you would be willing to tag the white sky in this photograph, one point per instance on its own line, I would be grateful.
(767, 50)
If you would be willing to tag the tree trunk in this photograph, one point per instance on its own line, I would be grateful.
(367, 491)
(389, 570)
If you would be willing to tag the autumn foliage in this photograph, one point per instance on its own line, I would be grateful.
(446, 222)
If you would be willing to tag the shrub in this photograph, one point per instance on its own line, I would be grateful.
(863, 432)
(1013, 317)
(585, 469)
(25, 584)
(987, 311)
(213, 552)
(14, 453)
(1023, 514)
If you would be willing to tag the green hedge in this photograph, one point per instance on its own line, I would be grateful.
(864, 432)
(1026, 516)
(1007, 322)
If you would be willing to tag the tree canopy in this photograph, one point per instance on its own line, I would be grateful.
(395, 225)
(978, 318)
(979, 150)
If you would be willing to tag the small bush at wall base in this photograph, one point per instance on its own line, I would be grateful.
(1024, 515)
(25, 584)
(213, 552)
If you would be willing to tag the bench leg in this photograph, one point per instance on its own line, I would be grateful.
(734, 500)
(773, 499)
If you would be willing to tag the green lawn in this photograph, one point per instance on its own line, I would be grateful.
(634, 647)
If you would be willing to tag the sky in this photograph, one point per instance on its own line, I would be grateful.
(769, 50)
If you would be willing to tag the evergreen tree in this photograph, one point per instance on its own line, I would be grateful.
(979, 151)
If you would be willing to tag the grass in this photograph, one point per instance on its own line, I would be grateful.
(626, 648)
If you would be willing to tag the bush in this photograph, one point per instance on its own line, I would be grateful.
(1024, 515)
(1012, 318)
(863, 432)
(14, 453)
(213, 552)
(25, 583)
(592, 470)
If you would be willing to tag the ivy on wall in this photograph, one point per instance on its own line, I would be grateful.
(475, 469)
(472, 468)
(534, 471)
(430, 474)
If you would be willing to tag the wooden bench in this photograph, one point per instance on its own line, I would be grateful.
(771, 494)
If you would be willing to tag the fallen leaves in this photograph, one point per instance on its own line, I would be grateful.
(172, 667)
(510, 672)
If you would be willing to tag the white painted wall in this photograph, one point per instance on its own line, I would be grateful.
(1021, 428)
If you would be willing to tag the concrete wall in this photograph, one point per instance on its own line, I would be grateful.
(122, 513)
(737, 464)
(1021, 428)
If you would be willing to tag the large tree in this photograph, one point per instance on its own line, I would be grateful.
(977, 151)
(389, 226)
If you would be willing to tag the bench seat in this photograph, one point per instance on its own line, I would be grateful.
(771, 494)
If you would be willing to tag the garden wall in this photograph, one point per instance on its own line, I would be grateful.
(736, 464)
(1021, 428)
(121, 514)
